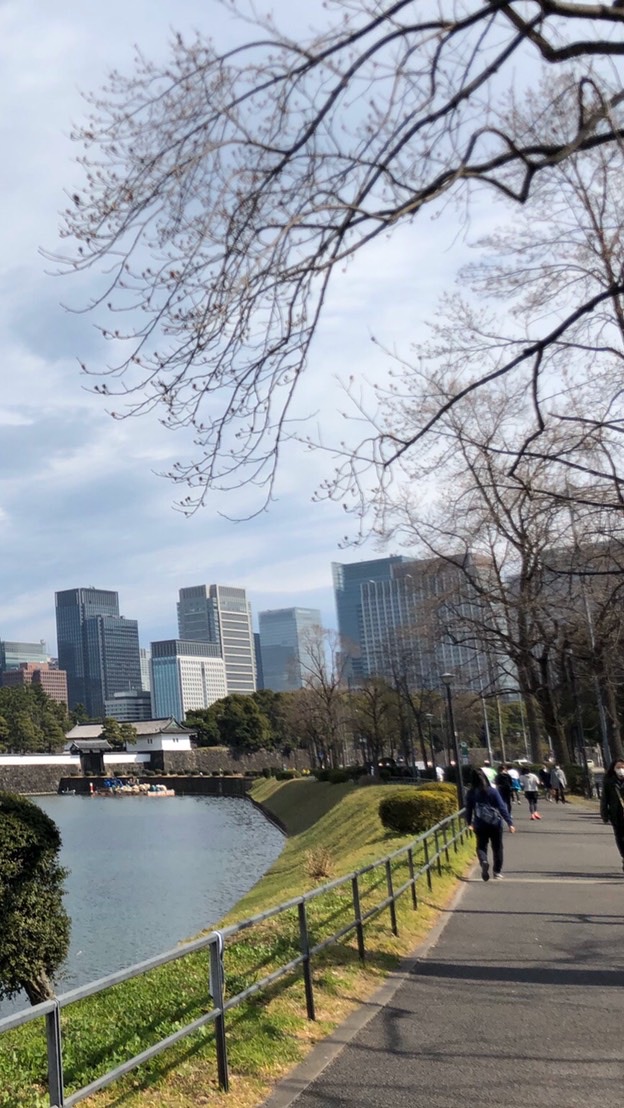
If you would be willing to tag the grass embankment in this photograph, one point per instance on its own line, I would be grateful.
(269, 1034)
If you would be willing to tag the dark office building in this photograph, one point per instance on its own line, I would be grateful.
(348, 581)
(97, 647)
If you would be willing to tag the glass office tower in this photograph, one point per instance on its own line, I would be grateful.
(98, 648)
(286, 635)
(348, 581)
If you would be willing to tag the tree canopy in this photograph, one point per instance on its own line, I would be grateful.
(33, 922)
(223, 189)
(31, 721)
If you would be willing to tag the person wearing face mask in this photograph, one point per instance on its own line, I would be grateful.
(612, 802)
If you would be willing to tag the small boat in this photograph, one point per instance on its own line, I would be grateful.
(160, 790)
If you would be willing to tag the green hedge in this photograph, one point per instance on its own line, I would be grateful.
(413, 810)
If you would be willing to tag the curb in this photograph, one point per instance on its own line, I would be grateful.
(289, 1088)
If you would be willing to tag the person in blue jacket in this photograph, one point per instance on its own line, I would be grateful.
(485, 813)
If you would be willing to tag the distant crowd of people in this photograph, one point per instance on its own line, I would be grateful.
(492, 795)
(490, 802)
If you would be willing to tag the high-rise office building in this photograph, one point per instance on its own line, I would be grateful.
(145, 658)
(53, 681)
(113, 663)
(14, 654)
(285, 642)
(258, 661)
(428, 620)
(98, 648)
(221, 614)
(196, 615)
(348, 581)
(129, 707)
(185, 676)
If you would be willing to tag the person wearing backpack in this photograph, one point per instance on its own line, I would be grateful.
(485, 813)
(612, 802)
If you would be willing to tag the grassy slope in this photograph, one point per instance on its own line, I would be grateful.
(270, 1034)
(341, 819)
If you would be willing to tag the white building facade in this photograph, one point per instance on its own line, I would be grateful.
(221, 615)
(185, 676)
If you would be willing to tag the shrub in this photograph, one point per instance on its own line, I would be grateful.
(338, 776)
(575, 776)
(440, 788)
(285, 775)
(413, 810)
(318, 863)
(322, 774)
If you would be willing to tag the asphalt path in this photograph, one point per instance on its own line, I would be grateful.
(520, 1002)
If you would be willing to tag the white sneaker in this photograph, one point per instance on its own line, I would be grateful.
(498, 876)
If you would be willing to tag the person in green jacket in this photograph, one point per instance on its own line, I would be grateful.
(612, 802)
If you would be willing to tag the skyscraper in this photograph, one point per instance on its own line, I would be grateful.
(113, 663)
(348, 581)
(97, 647)
(221, 614)
(185, 675)
(14, 654)
(428, 620)
(196, 615)
(284, 647)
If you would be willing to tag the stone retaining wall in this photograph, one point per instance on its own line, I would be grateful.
(207, 759)
(32, 780)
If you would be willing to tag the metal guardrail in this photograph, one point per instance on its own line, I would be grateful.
(444, 836)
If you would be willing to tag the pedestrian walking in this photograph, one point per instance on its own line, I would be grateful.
(559, 783)
(612, 802)
(515, 783)
(546, 782)
(530, 785)
(485, 813)
(504, 784)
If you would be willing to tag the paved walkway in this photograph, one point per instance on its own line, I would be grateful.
(520, 1004)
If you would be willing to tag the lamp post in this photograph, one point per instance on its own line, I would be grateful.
(486, 725)
(447, 679)
(429, 718)
(580, 736)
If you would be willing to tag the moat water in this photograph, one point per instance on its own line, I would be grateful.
(147, 874)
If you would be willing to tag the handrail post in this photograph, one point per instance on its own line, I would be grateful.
(446, 849)
(217, 991)
(410, 862)
(55, 1057)
(427, 862)
(305, 950)
(454, 833)
(436, 839)
(357, 915)
(393, 918)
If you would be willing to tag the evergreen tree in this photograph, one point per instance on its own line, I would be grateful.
(33, 922)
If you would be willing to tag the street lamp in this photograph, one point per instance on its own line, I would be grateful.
(447, 678)
(429, 718)
(486, 725)
(580, 743)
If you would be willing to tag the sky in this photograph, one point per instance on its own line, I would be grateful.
(81, 502)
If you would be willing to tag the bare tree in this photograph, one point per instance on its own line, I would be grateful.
(324, 695)
(222, 190)
(508, 533)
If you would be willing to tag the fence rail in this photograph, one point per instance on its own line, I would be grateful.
(444, 837)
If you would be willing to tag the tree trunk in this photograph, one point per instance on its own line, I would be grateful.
(613, 723)
(39, 988)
